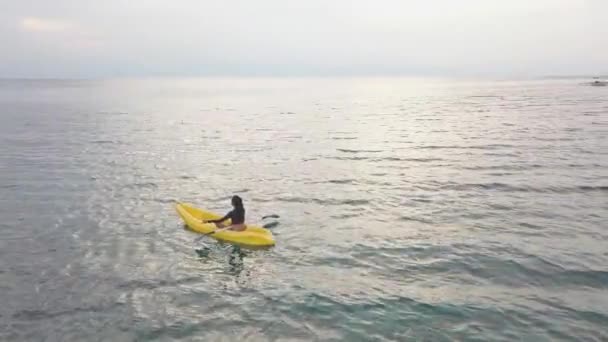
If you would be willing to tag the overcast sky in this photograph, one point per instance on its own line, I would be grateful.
(115, 38)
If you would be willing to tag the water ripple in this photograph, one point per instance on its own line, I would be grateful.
(409, 210)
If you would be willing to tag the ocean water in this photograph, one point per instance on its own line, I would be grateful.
(410, 210)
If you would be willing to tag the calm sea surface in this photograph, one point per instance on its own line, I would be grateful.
(410, 209)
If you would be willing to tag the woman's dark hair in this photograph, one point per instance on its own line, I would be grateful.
(237, 201)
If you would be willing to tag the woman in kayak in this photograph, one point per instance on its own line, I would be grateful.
(236, 216)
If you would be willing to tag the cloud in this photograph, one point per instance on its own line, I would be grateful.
(34, 24)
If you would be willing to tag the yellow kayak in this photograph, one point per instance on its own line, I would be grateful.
(252, 236)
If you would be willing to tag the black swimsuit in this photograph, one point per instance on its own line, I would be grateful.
(237, 216)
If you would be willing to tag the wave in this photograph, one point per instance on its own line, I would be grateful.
(358, 151)
(435, 318)
(341, 181)
(530, 271)
(484, 97)
(503, 266)
(475, 147)
(102, 142)
(352, 202)
(506, 167)
(151, 284)
(148, 185)
(34, 315)
(521, 188)
(414, 219)
(418, 160)
(592, 188)
(165, 200)
(9, 186)
(384, 159)
(348, 158)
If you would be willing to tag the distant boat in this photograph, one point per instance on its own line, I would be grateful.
(597, 83)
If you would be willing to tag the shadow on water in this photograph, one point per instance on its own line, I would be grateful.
(236, 257)
(203, 252)
(271, 225)
(237, 252)
(236, 260)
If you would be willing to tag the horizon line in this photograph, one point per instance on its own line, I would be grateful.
(270, 76)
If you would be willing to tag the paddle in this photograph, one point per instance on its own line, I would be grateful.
(217, 230)
(211, 232)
